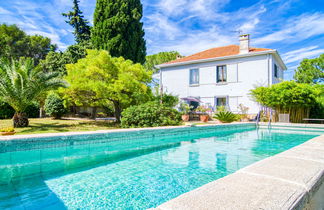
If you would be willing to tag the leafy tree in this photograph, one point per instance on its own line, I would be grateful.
(310, 70)
(15, 43)
(77, 21)
(159, 58)
(119, 30)
(288, 97)
(21, 83)
(56, 61)
(166, 99)
(100, 79)
(150, 114)
(54, 106)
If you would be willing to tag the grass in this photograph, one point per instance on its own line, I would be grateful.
(48, 125)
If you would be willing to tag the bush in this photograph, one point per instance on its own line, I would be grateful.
(6, 111)
(54, 106)
(168, 100)
(226, 116)
(150, 115)
(32, 110)
(289, 97)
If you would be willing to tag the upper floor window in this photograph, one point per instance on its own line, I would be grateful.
(276, 71)
(221, 74)
(194, 76)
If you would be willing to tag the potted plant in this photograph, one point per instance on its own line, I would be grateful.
(7, 131)
(185, 109)
(204, 117)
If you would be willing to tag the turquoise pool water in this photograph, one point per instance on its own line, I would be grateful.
(135, 170)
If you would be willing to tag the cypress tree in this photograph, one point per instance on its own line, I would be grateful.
(77, 21)
(119, 30)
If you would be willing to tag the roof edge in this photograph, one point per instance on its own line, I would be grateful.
(219, 58)
(277, 55)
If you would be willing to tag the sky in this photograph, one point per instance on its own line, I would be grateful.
(293, 27)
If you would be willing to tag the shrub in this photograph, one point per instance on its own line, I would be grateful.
(32, 110)
(6, 111)
(54, 106)
(289, 97)
(226, 116)
(168, 100)
(150, 115)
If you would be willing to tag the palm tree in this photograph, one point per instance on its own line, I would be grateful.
(21, 83)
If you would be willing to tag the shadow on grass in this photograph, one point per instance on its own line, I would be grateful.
(63, 126)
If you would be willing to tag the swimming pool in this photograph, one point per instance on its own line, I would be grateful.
(131, 170)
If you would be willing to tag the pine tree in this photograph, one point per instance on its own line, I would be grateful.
(77, 21)
(119, 30)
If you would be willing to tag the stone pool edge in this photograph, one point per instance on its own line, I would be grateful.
(63, 134)
(293, 179)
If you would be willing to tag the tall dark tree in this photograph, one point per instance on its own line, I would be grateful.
(118, 29)
(78, 22)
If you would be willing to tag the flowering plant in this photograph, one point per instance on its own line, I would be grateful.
(203, 109)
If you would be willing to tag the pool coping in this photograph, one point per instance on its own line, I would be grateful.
(64, 134)
(293, 179)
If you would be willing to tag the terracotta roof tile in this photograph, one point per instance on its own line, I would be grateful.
(215, 52)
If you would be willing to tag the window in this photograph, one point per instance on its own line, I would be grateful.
(221, 74)
(221, 101)
(276, 71)
(194, 76)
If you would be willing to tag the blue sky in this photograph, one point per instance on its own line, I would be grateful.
(294, 27)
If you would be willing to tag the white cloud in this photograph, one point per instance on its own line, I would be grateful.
(249, 26)
(198, 41)
(160, 25)
(298, 55)
(189, 26)
(53, 36)
(171, 7)
(4, 11)
(296, 29)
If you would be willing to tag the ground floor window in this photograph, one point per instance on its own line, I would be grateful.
(221, 101)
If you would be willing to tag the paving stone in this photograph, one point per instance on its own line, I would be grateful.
(240, 191)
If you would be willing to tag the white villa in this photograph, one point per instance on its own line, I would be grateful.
(223, 76)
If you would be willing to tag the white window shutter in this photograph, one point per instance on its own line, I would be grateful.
(227, 103)
(232, 73)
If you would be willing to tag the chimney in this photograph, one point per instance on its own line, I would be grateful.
(244, 43)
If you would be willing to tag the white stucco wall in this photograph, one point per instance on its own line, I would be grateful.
(243, 74)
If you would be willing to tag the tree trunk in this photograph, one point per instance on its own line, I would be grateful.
(117, 111)
(41, 112)
(20, 120)
(94, 113)
(41, 109)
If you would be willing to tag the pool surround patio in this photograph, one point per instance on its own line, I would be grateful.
(293, 179)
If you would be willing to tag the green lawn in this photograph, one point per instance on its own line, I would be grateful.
(48, 125)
